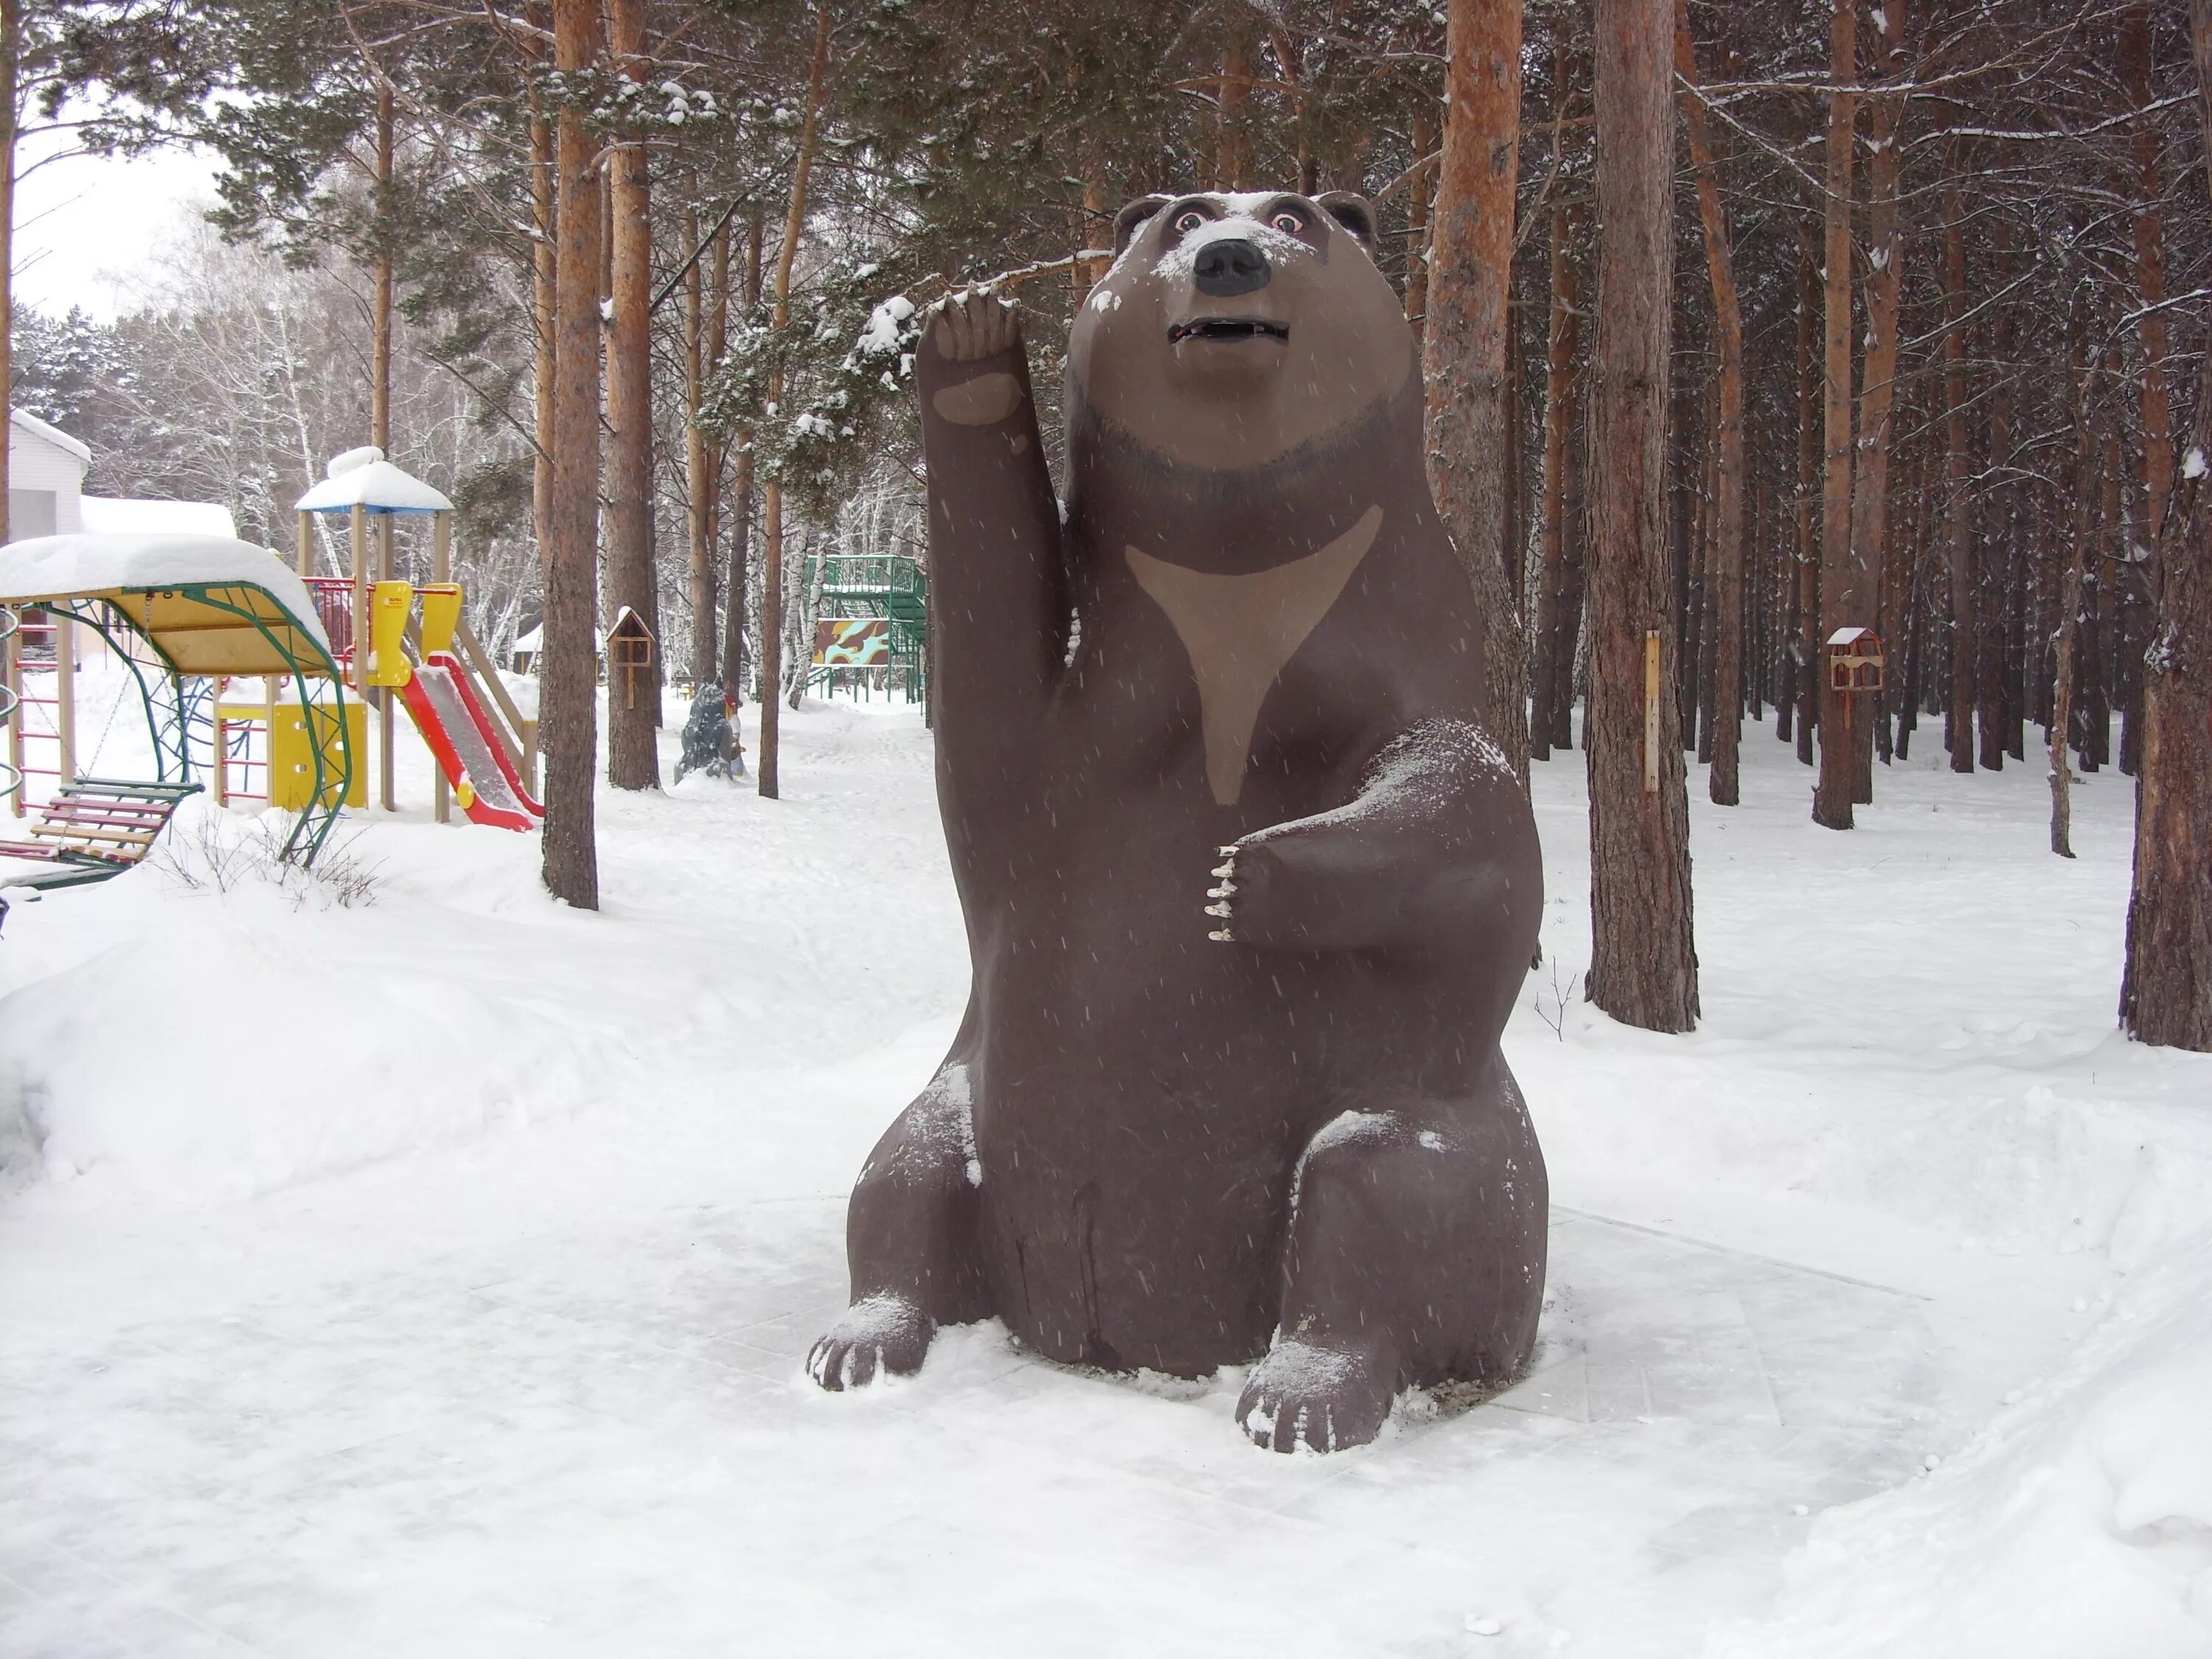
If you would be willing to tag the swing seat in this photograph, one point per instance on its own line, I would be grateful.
(96, 829)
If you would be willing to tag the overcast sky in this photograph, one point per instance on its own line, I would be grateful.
(87, 230)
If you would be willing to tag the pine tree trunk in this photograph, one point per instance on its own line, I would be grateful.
(1870, 504)
(1644, 967)
(1805, 589)
(2086, 495)
(2156, 402)
(700, 480)
(380, 352)
(1842, 600)
(633, 695)
(1729, 468)
(736, 616)
(544, 259)
(2000, 530)
(11, 45)
(2165, 997)
(1958, 543)
(568, 714)
(771, 676)
(1470, 277)
(1229, 148)
(1553, 677)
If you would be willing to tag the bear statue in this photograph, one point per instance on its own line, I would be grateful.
(1249, 891)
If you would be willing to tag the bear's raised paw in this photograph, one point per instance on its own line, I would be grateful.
(974, 325)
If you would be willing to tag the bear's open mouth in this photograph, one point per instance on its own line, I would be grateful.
(1228, 328)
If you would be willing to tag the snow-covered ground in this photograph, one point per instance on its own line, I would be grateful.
(432, 1277)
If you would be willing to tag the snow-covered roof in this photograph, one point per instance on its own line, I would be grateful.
(59, 566)
(52, 434)
(534, 641)
(1850, 636)
(362, 477)
(111, 515)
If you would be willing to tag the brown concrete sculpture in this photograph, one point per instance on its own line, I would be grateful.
(1250, 892)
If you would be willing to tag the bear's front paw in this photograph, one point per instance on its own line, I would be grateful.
(966, 328)
(1306, 1396)
(881, 1333)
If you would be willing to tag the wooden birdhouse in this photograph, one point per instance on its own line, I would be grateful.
(1856, 662)
(629, 654)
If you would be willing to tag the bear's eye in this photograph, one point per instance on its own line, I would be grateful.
(1288, 222)
(1186, 222)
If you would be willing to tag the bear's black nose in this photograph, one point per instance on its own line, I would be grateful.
(1231, 266)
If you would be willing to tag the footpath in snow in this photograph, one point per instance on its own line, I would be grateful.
(432, 1277)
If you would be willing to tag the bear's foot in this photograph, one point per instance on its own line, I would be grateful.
(879, 1333)
(1321, 1398)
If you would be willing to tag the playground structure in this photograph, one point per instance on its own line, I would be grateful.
(185, 615)
(194, 620)
(873, 624)
(428, 664)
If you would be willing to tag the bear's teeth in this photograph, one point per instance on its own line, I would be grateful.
(1227, 890)
(1229, 851)
(1222, 910)
(1226, 869)
(1224, 936)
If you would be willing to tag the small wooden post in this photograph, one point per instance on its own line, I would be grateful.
(220, 757)
(384, 699)
(1651, 712)
(11, 662)
(307, 545)
(360, 540)
(65, 696)
(441, 570)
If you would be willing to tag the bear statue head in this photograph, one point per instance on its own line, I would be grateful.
(1233, 330)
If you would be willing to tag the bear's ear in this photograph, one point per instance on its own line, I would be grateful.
(1127, 221)
(1355, 213)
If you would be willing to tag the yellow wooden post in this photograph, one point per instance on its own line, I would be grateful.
(307, 545)
(222, 755)
(384, 696)
(441, 570)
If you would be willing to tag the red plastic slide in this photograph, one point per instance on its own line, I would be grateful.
(445, 712)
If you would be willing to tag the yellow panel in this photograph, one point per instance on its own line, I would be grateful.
(442, 616)
(388, 604)
(291, 760)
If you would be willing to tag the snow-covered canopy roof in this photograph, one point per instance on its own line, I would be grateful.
(162, 583)
(362, 477)
(111, 515)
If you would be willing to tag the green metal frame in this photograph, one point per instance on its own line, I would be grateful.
(165, 719)
(321, 691)
(892, 587)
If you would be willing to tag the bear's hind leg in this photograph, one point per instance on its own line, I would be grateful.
(1415, 1254)
(910, 1238)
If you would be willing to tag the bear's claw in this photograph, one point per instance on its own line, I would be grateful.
(1224, 875)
